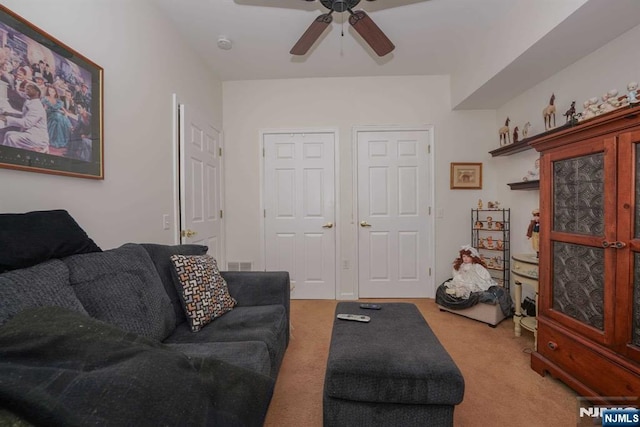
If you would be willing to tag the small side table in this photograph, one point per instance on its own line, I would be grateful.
(524, 269)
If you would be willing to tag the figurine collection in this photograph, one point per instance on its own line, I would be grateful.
(592, 107)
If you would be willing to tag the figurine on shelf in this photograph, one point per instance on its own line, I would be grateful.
(489, 222)
(533, 175)
(611, 102)
(591, 108)
(503, 132)
(632, 93)
(515, 134)
(493, 205)
(479, 203)
(499, 245)
(586, 114)
(549, 113)
(499, 225)
(478, 225)
(489, 242)
(525, 130)
(570, 114)
(533, 232)
(469, 274)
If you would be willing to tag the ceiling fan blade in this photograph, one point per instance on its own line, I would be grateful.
(370, 32)
(312, 34)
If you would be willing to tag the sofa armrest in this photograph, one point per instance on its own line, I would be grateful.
(251, 288)
(259, 287)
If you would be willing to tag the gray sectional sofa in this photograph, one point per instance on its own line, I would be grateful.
(101, 338)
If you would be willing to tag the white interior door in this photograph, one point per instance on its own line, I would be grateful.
(299, 217)
(394, 195)
(200, 182)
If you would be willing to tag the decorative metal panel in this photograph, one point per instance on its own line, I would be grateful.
(578, 282)
(635, 338)
(578, 195)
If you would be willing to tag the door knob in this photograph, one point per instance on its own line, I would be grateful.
(364, 224)
(188, 233)
(328, 225)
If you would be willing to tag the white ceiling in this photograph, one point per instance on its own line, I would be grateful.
(432, 37)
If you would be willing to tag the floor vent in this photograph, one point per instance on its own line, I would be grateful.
(239, 266)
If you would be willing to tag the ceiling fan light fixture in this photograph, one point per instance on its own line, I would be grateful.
(359, 20)
(224, 43)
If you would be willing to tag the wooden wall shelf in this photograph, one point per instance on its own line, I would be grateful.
(525, 185)
(523, 145)
(507, 150)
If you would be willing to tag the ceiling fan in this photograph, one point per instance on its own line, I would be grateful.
(359, 20)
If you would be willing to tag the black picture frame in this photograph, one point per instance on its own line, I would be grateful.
(72, 143)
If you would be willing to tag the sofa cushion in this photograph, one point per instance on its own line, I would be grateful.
(160, 255)
(204, 292)
(251, 355)
(266, 323)
(121, 286)
(45, 284)
(60, 368)
(28, 239)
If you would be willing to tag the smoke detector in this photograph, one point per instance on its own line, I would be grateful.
(224, 43)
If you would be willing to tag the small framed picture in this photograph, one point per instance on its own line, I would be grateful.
(466, 176)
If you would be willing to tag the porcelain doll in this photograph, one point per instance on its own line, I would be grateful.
(470, 274)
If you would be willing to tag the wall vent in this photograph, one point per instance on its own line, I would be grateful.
(239, 266)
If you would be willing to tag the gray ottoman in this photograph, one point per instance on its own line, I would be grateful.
(392, 371)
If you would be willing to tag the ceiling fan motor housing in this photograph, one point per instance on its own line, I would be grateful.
(339, 5)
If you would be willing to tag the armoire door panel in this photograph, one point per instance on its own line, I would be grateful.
(581, 295)
(628, 268)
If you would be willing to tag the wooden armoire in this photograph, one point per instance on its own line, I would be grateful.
(589, 284)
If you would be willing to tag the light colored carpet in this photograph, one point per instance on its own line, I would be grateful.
(500, 387)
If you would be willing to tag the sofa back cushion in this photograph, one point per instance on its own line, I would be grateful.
(121, 286)
(27, 239)
(45, 284)
(161, 257)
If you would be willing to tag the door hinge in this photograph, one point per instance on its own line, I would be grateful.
(429, 149)
(220, 213)
(220, 151)
(264, 213)
(429, 271)
(429, 210)
(262, 151)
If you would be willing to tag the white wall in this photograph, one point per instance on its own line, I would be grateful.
(525, 25)
(344, 103)
(144, 63)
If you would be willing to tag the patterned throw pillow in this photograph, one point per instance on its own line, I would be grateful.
(203, 290)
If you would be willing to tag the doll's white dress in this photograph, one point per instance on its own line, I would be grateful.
(469, 278)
